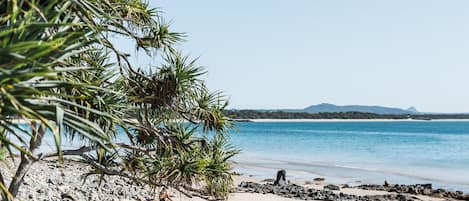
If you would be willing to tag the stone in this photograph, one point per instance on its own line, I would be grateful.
(243, 184)
(332, 187)
(466, 197)
(427, 186)
(268, 180)
(50, 181)
(440, 190)
(427, 191)
(68, 197)
(319, 179)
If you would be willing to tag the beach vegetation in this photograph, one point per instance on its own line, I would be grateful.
(62, 76)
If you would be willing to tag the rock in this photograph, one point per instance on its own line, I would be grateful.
(68, 197)
(268, 180)
(304, 193)
(440, 190)
(427, 186)
(332, 187)
(319, 179)
(466, 197)
(243, 184)
(50, 181)
(281, 178)
(427, 192)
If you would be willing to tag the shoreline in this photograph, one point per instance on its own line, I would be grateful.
(26, 121)
(341, 175)
(48, 180)
(348, 120)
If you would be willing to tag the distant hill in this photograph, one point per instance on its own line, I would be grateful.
(245, 115)
(331, 108)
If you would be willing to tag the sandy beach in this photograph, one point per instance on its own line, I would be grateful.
(48, 180)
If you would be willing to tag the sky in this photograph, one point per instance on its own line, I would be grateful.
(292, 54)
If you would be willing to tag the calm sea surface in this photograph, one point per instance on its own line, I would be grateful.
(358, 152)
(408, 152)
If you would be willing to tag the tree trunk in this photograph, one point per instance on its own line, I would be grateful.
(21, 171)
(26, 162)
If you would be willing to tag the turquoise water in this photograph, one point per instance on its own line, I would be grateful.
(358, 152)
(408, 152)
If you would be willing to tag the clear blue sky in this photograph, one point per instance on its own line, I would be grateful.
(291, 54)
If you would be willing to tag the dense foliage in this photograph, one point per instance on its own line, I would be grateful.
(257, 114)
(61, 74)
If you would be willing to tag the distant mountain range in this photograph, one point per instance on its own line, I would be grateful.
(331, 111)
(327, 107)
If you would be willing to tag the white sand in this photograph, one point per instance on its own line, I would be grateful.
(47, 181)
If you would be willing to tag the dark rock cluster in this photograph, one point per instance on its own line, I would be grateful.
(303, 193)
(332, 187)
(417, 189)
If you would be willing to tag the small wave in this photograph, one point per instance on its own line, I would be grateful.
(442, 136)
(350, 169)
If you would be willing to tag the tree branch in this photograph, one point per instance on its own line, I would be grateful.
(84, 149)
(135, 148)
(112, 172)
(26, 161)
(72, 152)
(4, 195)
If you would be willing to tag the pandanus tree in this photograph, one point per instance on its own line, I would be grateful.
(62, 75)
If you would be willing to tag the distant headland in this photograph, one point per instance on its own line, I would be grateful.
(327, 107)
(331, 111)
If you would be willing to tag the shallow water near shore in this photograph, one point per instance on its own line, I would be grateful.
(404, 152)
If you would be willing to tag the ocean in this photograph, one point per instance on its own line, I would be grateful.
(349, 152)
(404, 152)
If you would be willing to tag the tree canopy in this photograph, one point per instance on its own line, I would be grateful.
(62, 75)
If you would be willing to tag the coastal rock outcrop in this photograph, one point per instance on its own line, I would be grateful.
(332, 187)
(303, 193)
(416, 189)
